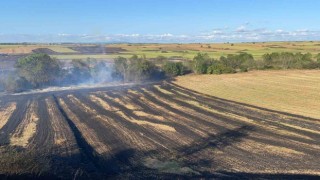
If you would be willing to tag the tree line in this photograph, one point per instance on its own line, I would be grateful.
(243, 62)
(41, 70)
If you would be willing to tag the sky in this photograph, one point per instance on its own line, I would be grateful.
(161, 21)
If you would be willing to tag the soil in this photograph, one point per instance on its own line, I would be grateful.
(159, 130)
(96, 49)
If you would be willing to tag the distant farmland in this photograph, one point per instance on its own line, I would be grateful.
(185, 51)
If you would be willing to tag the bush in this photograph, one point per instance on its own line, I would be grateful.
(2, 85)
(312, 65)
(134, 69)
(241, 61)
(120, 67)
(201, 62)
(243, 69)
(218, 68)
(288, 60)
(80, 71)
(318, 57)
(38, 69)
(173, 68)
(16, 84)
(161, 59)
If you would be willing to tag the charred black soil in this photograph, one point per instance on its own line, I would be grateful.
(152, 131)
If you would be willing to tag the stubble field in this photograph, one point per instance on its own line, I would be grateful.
(160, 130)
(183, 51)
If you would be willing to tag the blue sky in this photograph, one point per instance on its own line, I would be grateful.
(159, 21)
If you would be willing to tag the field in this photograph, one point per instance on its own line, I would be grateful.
(185, 51)
(156, 130)
(292, 91)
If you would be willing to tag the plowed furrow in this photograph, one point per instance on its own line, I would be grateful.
(241, 107)
(13, 122)
(64, 142)
(6, 112)
(126, 116)
(89, 133)
(268, 121)
(27, 128)
(115, 123)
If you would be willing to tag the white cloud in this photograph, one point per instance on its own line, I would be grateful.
(240, 34)
(241, 29)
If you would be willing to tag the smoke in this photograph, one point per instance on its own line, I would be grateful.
(66, 74)
(87, 72)
(100, 73)
(73, 74)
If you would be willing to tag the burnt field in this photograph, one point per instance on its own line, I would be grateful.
(158, 130)
(96, 49)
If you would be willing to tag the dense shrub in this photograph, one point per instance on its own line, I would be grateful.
(135, 69)
(312, 65)
(174, 68)
(2, 84)
(318, 57)
(288, 60)
(38, 69)
(161, 59)
(242, 61)
(80, 71)
(16, 84)
(85, 72)
(201, 62)
(219, 68)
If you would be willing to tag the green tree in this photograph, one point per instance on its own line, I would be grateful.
(218, 68)
(134, 68)
(139, 68)
(201, 63)
(38, 69)
(318, 58)
(173, 68)
(246, 61)
(121, 67)
(81, 70)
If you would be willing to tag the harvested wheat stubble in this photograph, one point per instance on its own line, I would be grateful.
(271, 128)
(140, 122)
(158, 114)
(132, 138)
(272, 119)
(176, 117)
(206, 119)
(28, 127)
(103, 103)
(294, 91)
(6, 112)
(165, 130)
(126, 102)
(59, 138)
(89, 134)
(144, 114)
(63, 136)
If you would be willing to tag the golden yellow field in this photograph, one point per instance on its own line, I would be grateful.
(26, 49)
(296, 92)
(186, 51)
